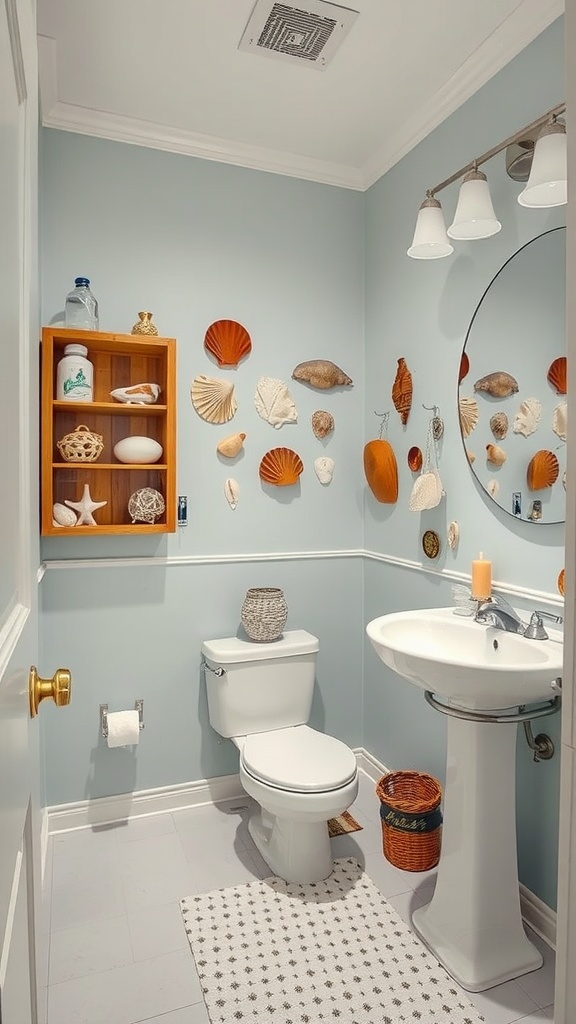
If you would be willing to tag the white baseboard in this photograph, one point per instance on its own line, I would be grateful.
(106, 810)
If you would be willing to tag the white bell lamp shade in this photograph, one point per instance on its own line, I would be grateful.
(474, 217)
(430, 241)
(547, 184)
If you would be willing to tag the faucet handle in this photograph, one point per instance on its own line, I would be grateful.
(535, 629)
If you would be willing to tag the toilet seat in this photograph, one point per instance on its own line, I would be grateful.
(298, 760)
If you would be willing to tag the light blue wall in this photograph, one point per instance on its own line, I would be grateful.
(421, 310)
(196, 241)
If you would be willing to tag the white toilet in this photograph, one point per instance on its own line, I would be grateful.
(260, 696)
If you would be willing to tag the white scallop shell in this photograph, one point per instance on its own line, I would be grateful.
(213, 399)
(453, 535)
(232, 492)
(528, 417)
(63, 516)
(426, 492)
(560, 420)
(468, 415)
(274, 403)
(324, 469)
(492, 487)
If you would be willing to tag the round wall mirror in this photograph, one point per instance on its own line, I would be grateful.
(512, 383)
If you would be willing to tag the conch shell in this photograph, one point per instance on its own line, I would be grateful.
(381, 470)
(274, 403)
(495, 454)
(402, 391)
(527, 418)
(230, 446)
(321, 373)
(499, 384)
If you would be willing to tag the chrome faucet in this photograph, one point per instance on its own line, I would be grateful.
(497, 612)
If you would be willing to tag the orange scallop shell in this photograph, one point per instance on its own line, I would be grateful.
(542, 470)
(557, 375)
(402, 391)
(381, 470)
(464, 367)
(281, 467)
(228, 341)
(560, 582)
(415, 459)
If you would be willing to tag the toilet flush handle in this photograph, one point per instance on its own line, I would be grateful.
(217, 671)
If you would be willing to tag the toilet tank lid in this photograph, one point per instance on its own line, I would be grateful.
(233, 649)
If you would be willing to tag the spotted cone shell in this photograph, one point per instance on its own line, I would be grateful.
(321, 373)
(402, 391)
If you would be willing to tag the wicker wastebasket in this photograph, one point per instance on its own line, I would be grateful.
(411, 819)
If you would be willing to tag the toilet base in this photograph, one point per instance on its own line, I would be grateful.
(296, 851)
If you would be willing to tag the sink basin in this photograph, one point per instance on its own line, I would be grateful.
(468, 663)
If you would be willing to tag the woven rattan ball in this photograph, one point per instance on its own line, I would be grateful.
(82, 445)
(146, 505)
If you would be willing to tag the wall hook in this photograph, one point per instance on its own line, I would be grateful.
(384, 417)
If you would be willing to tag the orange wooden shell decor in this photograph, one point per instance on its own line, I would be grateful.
(415, 459)
(228, 341)
(281, 467)
(560, 582)
(464, 367)
(402, 391)
(381, 471)
(542, 470)
(557, 375)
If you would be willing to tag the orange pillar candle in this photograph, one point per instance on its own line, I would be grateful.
(481, 578)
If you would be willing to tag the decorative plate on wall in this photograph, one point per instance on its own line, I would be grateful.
(431, 544)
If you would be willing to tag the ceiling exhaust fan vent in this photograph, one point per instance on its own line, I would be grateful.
(307, 34)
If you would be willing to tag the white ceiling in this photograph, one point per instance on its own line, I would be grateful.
(169, 74)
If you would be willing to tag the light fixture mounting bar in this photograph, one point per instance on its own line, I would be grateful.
(550, 114)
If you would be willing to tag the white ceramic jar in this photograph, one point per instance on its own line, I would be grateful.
(74, 375)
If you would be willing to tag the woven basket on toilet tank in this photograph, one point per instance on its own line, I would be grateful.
(411, 819)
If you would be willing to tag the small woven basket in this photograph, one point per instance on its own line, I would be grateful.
(411, 819)
(82, 445)
(264, 613)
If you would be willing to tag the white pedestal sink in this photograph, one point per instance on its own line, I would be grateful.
(473, 924)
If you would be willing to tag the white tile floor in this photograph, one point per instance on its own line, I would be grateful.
(118, 952)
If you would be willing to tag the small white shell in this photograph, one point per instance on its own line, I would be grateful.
(213, 399)
(528, 417)
(492, 487)
(137, 394)
(63, 516)
(495, 454)
(468, 415)
(324, 469)
(232, 492)
(453, 535)
(560, 420)
(274, 403)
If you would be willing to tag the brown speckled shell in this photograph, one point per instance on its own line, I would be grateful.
(322, 423)
(402, 391)
(228, 341)
(557, 375)
(381, 470)
(543, 470)
(499, 425)
(321, 373)
(281, 467)
(498, 384)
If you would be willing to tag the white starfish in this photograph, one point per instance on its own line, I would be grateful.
(85, 507)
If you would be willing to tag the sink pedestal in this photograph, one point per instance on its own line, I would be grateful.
(473, 924)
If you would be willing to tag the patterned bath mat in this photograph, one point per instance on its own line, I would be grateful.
(328, 951)
(342, 825)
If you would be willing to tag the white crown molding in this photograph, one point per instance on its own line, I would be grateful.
(528, 20)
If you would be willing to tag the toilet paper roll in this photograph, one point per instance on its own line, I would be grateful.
(123, 728)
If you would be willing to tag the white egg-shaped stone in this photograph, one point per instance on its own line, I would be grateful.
(63, 516)
(138, 450)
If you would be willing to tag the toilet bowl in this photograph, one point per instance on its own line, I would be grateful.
(299, 777)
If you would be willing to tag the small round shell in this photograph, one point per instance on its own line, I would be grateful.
(499, 425)
(213, 399)
(324, 468)
(493, 488)
(495, 454)
(228, 341)
(281, 467)
(415, 459)
(543, 470)
(230, 446)
(322, 423)
(470, 456)
(557, 375)
(468, 415)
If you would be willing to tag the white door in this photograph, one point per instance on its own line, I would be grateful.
(20, 958)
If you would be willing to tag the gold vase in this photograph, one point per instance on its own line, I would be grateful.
(145, 325)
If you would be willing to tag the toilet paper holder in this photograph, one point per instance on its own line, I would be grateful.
(138, 706)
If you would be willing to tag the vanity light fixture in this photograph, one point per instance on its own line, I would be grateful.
(475, 217)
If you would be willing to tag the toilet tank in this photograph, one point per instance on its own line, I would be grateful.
(257, 687)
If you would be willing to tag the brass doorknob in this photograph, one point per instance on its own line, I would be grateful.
(58, 688)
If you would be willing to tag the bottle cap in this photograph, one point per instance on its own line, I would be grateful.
(75, 350)
(81, 282)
